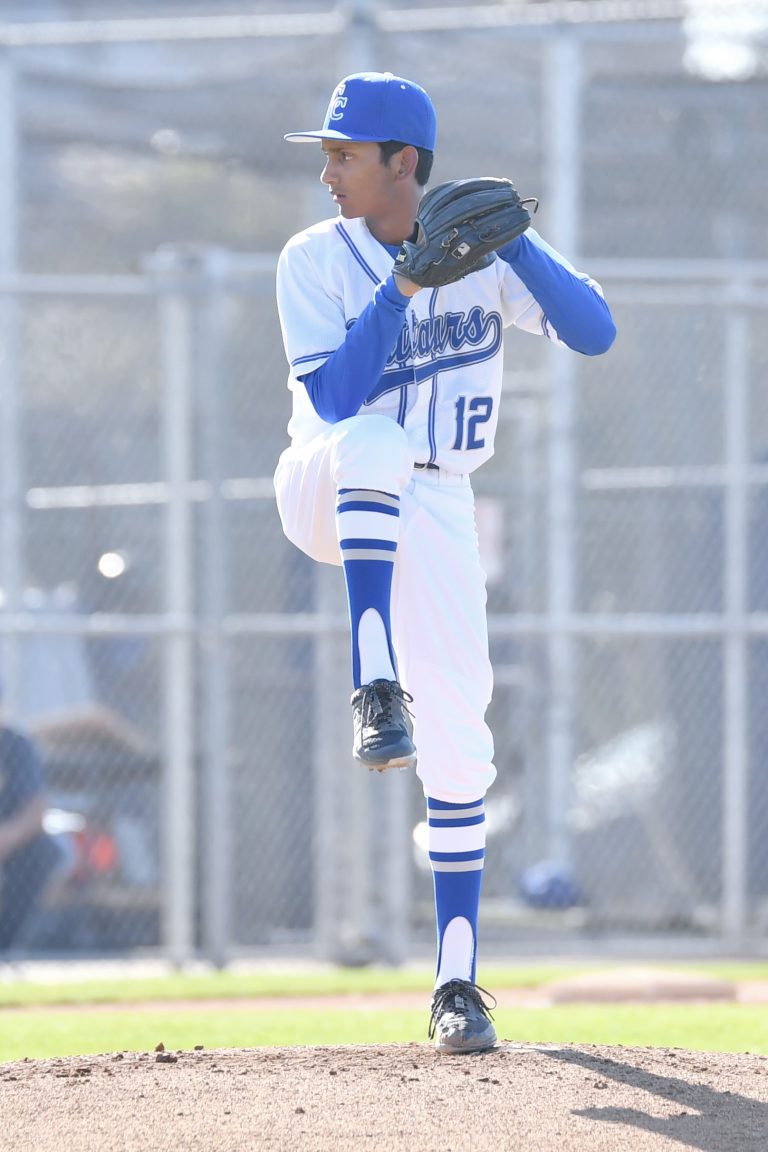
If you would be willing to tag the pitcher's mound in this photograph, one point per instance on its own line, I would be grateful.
(395, 1098)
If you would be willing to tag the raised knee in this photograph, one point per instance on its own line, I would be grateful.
(371, 452)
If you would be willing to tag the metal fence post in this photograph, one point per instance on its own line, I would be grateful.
(563, 123)
(393, 868)
(211, 346)
(178, 819)
(735, 559)
(11, 564)
(329, 772)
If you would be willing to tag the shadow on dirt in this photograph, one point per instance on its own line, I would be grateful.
(708, 1119)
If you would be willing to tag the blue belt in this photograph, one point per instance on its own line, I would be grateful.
(430, 465)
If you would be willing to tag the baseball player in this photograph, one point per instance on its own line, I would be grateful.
(396, 394)
(29, 857)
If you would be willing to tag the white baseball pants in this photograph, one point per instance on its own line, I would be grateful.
(439, 628)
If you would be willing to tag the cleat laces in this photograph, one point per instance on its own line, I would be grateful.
(459, 991)
(377, 700)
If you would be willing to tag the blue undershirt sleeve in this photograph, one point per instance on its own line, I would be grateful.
(577, 312)
(338, 387)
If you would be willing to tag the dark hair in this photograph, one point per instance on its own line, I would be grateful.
(388, 149)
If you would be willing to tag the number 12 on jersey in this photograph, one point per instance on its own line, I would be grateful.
(469, 417)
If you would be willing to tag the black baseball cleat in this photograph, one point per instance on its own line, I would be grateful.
(382, 726)
(461, 1020)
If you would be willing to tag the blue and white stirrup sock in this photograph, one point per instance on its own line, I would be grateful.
(368, 527)
(456, 843)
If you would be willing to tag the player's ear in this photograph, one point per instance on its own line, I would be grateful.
(407, 160)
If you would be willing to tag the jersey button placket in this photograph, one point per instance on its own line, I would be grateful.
(411, 320)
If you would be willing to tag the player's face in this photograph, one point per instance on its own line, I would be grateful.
(357, 180)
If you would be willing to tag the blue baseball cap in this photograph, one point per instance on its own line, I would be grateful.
(377, 106)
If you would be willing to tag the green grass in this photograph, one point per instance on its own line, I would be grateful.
(314, 981)
(38, 1033)
(152, 1011)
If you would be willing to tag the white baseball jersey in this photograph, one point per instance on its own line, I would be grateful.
(442, 382)
(436, 401)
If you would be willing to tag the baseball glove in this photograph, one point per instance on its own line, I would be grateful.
(459, 226)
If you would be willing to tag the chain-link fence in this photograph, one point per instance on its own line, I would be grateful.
(184, 671)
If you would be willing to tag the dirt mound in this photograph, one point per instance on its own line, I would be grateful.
(393, 1098)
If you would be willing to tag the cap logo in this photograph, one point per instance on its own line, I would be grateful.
(338, 104)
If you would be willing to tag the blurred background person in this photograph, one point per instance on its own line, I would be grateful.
(28, 855)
